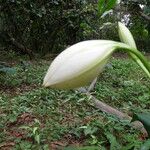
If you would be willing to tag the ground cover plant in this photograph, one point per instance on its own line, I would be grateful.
(33, 117)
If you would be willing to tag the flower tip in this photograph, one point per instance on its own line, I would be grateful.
(121, 26)
(119, 23)
(46, 84)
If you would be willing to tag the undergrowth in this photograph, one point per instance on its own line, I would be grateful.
(33, 117)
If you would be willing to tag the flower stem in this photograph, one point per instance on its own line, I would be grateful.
(141, 60)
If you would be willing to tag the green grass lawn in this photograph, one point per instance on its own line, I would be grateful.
(33, 117)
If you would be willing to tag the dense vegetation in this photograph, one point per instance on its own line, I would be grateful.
(50, 26)
(32, 117)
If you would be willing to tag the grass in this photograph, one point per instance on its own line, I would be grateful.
(32, 117)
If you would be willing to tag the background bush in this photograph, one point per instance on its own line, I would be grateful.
(34, 26)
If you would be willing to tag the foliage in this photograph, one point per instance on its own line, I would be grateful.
(43, 26)
(82, 148)
(122, 86)
(136, 16)
(104, 6)
(62, 118)
(51, 26)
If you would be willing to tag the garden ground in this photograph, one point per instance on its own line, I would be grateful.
(33, 117)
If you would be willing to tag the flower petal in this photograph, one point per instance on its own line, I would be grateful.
(79, 64)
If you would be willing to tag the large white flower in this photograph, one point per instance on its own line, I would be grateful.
(79, 64)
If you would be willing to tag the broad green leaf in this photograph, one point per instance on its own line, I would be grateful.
(110, 4)
(145, 119)
(101, 5)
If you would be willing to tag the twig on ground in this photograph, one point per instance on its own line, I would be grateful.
(110, 110)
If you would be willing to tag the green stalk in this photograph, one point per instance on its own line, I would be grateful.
(138, 61)
(139, 56)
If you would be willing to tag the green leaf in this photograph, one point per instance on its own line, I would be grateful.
(35, 129)
(145, 119)
(110, 4)
(114, 145)
(105, 6)
(145, 33)
(7, 70)
(146, 145)
(101, 5)
(90, 130)
(37, 138)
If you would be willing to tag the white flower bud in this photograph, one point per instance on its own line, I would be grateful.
(79, 64)
(125, 35)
